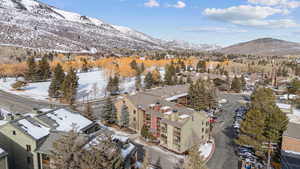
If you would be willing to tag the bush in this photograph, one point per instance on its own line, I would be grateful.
(19, 85)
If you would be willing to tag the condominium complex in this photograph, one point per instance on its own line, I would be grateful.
(164, 112)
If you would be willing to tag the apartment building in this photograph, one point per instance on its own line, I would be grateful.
(291, 147)
(3, 159)
(24, 136)
(163, 111)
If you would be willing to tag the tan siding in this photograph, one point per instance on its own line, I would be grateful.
(290, 144)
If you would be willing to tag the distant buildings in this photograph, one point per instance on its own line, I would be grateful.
(163, 112)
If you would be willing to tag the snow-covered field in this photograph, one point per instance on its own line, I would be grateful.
(91, 85)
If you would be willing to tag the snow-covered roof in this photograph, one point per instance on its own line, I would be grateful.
(176, 96)
(283, 106)
(165, 108)
(127, 151)
(184, 116)
(45, 110)
(35, 130)
(66, 120)
(120, 138)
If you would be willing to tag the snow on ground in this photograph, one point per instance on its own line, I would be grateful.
(205, 149)
(91, 85)
(295, 116)
(36, 131)
(66, 120)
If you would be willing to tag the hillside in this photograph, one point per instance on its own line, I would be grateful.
(264, 47)
(32, 24)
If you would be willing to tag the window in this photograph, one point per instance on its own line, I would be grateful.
(28, 160)
(134, 119)
(28, 148)
(14, 132)
(134, 111)
(202, 130)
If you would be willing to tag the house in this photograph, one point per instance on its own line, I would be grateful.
(3, 159)
(163, 112)
(22, 137)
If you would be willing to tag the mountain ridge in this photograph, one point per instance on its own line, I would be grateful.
(34, 24)
(264, 47)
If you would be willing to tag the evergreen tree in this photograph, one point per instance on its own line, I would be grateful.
(70, 86)
(124, 121)
(31, 74)
(236, 85)
(189, 80)
(43, 70)
(148, 81)
(194, 159)
(252, 129)
(181, 82)
(276, 124)
(113, 85)
(85, 65)
(243, 82)
(138, 82)
(55, 88)
(109, 113)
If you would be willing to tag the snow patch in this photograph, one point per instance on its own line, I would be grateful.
(37, 131)
(67, 120)
(205, 149)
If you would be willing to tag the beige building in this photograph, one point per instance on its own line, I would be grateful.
(163, 111)
(3, 159)
(24, 136)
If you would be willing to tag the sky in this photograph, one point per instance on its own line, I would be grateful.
(222, 22)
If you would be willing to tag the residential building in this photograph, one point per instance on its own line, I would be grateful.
(291, 147)
(163, 111)
(3, 159)
(23, 137)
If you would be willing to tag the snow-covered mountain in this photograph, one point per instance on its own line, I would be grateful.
(32, 24)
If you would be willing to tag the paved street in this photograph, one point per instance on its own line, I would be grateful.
(224, 156)
(20, 104)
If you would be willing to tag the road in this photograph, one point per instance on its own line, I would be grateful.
(224, 156)
(19, 104)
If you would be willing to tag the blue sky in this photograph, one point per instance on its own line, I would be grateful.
(222, 22)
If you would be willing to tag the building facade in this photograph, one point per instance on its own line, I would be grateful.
(163, 111)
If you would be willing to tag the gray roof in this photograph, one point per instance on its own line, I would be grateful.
(47, 146)
(143, 100)
(293, 130)
(168, 91)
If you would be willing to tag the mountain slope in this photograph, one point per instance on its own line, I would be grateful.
(32, 24)
(264, 47)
